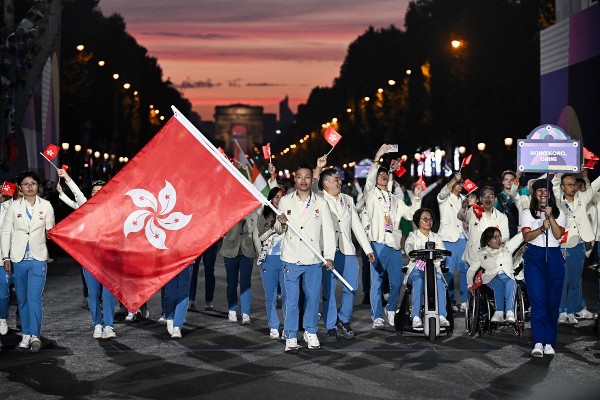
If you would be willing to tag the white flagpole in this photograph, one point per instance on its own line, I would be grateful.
(248, 185)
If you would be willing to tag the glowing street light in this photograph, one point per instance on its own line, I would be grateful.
(65, 146)
(77, 148)
(97, 154)
(462, 149)
(126, 86)
(456, 43)
(481, 146)
(508, 141)
(391, 82)
(80, 47)
(408, 72)
(101, 63)
(115, 76)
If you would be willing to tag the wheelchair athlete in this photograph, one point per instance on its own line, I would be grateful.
(496, 260)
(423, 219)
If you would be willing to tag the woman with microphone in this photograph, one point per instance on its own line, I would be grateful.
(544, 266)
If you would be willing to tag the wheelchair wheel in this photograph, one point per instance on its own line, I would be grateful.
(432, 328)
(402, 316)
(472, 313)
(519, 312)
(450, 315)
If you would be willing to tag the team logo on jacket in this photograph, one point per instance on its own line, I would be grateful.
(152, 219)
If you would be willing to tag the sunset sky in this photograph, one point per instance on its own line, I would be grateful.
(220, 52)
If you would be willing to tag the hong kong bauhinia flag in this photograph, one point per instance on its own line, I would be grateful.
(332, 136)
(173, 200)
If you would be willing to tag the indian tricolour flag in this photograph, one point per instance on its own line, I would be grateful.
(258, 180)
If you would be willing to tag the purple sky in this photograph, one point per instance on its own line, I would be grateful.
(220, 52)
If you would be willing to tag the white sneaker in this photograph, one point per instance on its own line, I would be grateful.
(176, 334)
(3, 327)
(549, 350)
(562, 318)
(170, 326)
(538, 350)
(498, 316)
(583, 314)
(391, 315)
(232, 316)
(36, 344)
(312, 340)
(571, 320)
(130, 317)
(25, 342)
(463, 307)
(97, 332)
(274, 334)
(378, 323)
(417, 323)
(162, 320)
(291, 344)
(454, 308)
(108, 333)
(510, 317)
(209, 306)
(444, 322)
(245, 319)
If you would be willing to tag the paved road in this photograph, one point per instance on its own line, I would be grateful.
(218, 359)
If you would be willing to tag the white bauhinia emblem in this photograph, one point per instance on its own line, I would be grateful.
(150, 218)
(332, 137)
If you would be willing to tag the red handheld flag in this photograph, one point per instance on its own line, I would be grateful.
(399, 170)
(51, 152)
(8, 188)
(267, 151)
(588, 155)
(590, 164)
(64, 167)
(156, 215)
(466, 161)
(469, 186)
(478, 279)
(332, 136)
(421, 182)
(478, 210)
(564, 237)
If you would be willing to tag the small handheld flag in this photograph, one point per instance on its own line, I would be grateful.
(267, 151)
(332, 137)
(469, 186)
(466, 161)
(51, 152)
(478, 280)
(9, 188)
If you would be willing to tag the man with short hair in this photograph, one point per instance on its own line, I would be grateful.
(505, 201)
(345, 221)
(454, 236)
(309, 214)
(384, 211)
(579, 230)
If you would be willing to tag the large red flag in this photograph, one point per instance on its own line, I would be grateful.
(173, 200)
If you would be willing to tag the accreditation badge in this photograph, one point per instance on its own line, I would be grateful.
(387, 223)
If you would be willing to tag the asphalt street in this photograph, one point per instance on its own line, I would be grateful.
(219, 359)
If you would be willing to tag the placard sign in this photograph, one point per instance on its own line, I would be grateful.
(548, 148)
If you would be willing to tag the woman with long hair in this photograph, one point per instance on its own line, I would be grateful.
(544, 266)
(271, 267)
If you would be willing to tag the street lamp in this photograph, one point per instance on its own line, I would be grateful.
(456, 43)
(97, 154)
(481, 146)
(462, 149)
(65, 146)
(508, 141)
(77, 148)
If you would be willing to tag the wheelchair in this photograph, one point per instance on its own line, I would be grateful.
(429, 309)
(481, 307)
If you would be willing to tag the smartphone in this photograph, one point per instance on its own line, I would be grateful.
(393, 148)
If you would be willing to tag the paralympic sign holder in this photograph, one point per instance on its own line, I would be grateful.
(548, 149)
